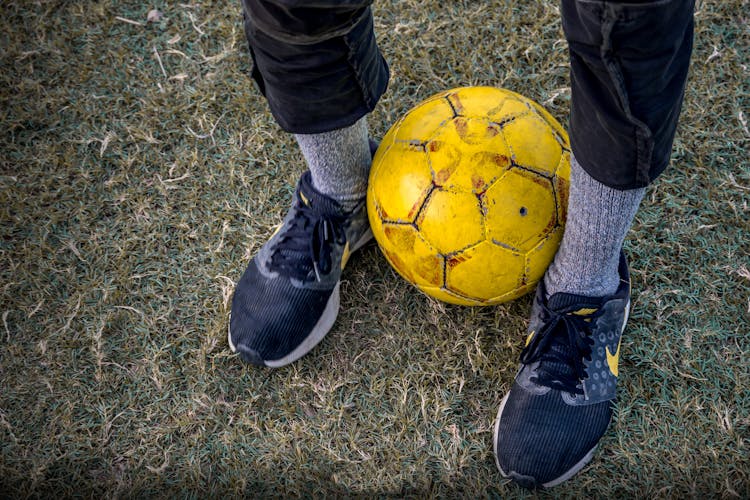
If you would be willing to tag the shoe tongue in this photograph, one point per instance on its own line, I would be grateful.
(564, 303)
(568, 302)
(316, 200)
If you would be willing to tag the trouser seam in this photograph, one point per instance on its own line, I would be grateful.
(355, 69)
(644, 136)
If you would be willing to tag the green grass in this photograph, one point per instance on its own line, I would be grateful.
(132, 197)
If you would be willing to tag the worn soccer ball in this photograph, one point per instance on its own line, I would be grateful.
(468, 192)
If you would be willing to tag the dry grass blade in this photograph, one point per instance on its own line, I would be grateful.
(141, 169)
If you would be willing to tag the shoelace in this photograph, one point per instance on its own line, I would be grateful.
(561, 346)
(307, 244)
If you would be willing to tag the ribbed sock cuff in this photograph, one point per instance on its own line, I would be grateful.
(339, 162)
(598, 219)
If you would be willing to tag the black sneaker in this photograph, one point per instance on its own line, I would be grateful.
(288, 298)
(561, 401)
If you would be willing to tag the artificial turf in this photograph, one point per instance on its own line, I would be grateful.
(141, 169)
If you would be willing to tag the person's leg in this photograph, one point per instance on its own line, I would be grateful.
(627, 93)
(629, 64)
(320, 69)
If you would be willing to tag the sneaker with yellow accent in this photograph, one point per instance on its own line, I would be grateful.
(561, 401)
(288, 298)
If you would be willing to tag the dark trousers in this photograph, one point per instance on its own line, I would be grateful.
(318, 65)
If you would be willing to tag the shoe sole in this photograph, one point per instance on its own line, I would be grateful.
(567, 474)
(321, 328)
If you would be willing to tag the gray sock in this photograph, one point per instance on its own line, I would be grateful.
(339, 162)
(598, 219)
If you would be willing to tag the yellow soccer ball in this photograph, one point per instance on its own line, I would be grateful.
(468, 192)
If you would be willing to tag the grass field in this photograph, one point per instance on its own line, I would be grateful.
(141, 169)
